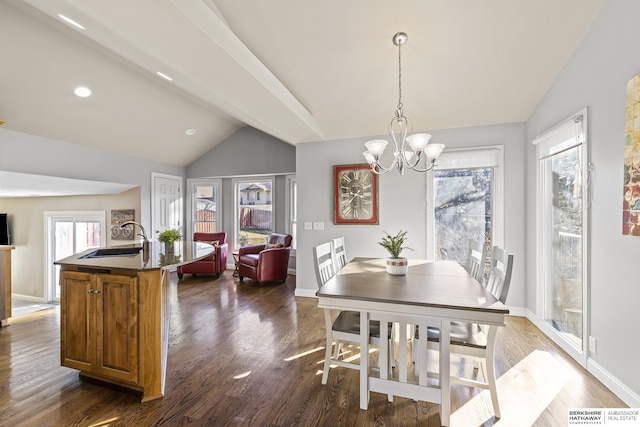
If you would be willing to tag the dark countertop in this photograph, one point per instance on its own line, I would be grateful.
(184, 252)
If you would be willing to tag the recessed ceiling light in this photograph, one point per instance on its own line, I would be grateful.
(71, 21)
(82, 91)
(190, 132)
(164, 76)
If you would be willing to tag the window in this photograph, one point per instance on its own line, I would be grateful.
(466, 188)
(253, 210)
(204, 203)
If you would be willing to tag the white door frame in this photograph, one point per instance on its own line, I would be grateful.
(151, 234)
(49, 217)
(580, 355)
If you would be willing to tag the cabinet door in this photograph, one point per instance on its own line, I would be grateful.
(77, 331)
(117, 327)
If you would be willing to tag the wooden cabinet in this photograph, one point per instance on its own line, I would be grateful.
(114, 314)
(5, 284)
(99, 325)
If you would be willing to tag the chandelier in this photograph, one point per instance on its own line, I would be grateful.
(399, 130)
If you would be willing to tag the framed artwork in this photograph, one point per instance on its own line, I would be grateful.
(118, 216)
(355, 194)
(631, 188)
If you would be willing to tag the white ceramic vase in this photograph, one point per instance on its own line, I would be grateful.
(397, 266)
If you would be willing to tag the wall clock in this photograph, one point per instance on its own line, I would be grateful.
(355, 189)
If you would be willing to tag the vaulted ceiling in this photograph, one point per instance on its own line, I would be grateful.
(298, 70)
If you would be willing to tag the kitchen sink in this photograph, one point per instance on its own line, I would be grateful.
(108, 252)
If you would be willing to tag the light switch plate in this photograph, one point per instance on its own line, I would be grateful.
(318, 225)
(308, 226)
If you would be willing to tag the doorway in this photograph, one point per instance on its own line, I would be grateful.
(562, 208)
(68, 233)
(166, 212)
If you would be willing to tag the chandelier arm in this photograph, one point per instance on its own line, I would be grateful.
(379, 170)
(431, 166)
(404, 152)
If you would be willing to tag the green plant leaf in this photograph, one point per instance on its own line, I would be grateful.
(394, 244)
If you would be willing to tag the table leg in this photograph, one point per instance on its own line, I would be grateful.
(445, 374)
(236, 259)
(364, 359)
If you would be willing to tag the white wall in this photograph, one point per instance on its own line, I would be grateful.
(32, 154)
(28, 231)
(595, 77)
(402, 201)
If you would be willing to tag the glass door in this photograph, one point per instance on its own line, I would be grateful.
(563, 238)
(562, 235)
(69, 234)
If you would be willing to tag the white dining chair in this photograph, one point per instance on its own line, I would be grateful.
(475, 259)
(476, 342)
(339, 253)
(345, 326)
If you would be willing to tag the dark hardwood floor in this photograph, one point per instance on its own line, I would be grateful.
(243, 355)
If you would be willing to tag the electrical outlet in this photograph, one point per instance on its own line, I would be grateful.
(592, 345)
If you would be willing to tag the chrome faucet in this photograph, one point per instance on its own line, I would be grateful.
(145, 241)
(144, 234)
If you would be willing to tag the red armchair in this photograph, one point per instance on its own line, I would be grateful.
(215, 263)
(266, 263)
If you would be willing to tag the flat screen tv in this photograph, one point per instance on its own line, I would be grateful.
(5, 236)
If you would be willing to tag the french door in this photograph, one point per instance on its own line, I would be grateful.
(69, 233)
(562, 212)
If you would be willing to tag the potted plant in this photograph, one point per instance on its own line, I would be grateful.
(396, 264)
(169, 237)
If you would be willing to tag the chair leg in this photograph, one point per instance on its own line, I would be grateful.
(180, 276)
(337, 350)
(491, 379)
(327, 359)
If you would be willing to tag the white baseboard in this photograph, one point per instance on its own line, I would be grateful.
(309, 293)
(610, 381)
(614, 384)
(28, 298)
(517, 311)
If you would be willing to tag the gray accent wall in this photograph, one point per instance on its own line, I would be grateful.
(247, 152)
(595, 77)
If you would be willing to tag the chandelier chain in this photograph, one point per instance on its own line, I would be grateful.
(399, 77)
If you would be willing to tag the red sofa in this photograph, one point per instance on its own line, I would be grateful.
(215, 263)
(266, 263)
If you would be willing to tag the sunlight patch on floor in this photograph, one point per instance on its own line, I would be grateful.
(306, 353)
(524, 393)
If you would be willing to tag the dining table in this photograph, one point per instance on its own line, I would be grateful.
(430, 294)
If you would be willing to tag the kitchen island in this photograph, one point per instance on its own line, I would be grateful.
(114, 312)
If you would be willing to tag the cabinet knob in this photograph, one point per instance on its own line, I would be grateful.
(90, 291)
